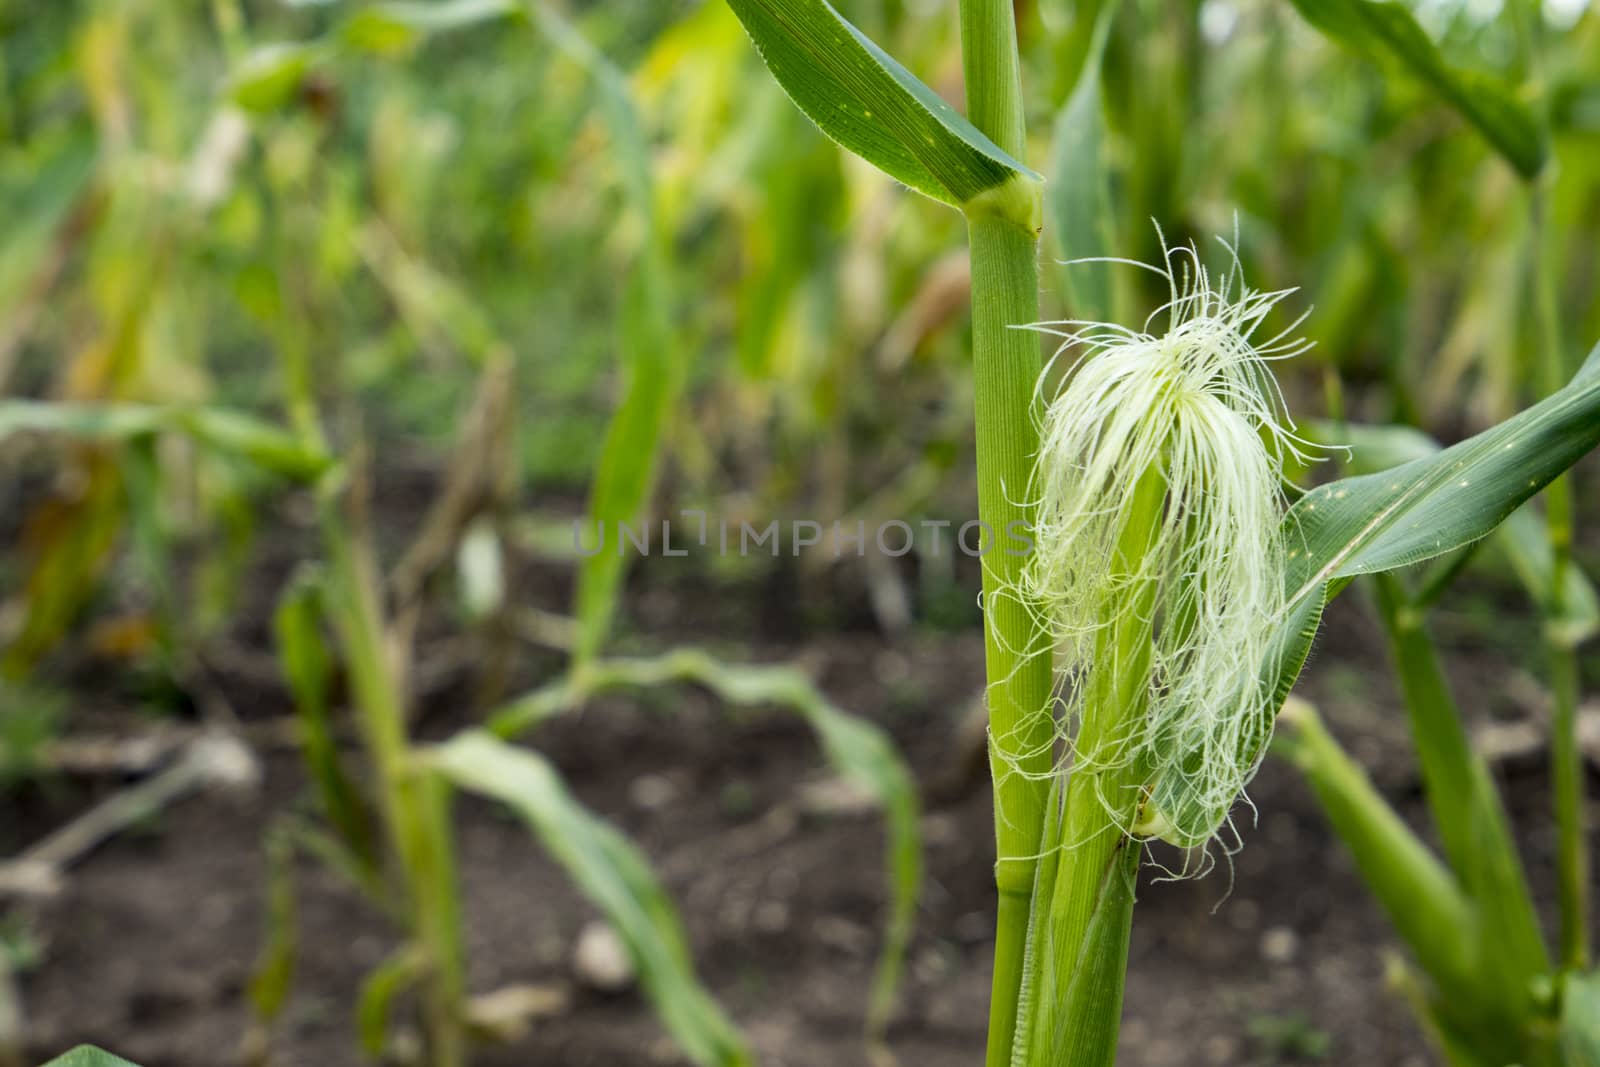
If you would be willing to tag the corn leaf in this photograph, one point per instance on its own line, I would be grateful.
(1522, 539)
(1079, 197)
(274, 972)
(858, 750)
(234, 433)
(1418, 892)
(1433, 505)
(1580, 1019)
(399, 971)
(611, 871)
(653, 370)
(89, 1056)
(859, 96)
(303, 654)
(396, 26)
(1466, 809)
(1077, 1026)
(1386, 28)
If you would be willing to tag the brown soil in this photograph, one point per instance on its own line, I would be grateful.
(149, 949)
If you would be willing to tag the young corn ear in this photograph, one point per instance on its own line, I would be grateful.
(1197, 406)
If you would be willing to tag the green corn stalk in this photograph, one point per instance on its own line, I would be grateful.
(1510, 952)
(1005, 368)
(412, 802)
(1566, 759)
(1088, 915)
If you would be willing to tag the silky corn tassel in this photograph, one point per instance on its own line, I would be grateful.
(1198, 406)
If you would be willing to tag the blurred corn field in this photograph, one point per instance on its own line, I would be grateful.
(332, 334)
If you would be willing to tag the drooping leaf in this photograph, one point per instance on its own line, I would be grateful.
(859, 751)
(861, 97)
(1386, 27)
(234, 433)
(89, 1056)
(612, 873)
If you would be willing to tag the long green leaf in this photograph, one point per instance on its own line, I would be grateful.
(1422, 899)
(612, 873)
(859, 751)
(861, 97)
(653, 368)
(1079, 197)
(1466, 809)
(1385, 27)
(1433, 505)
(1580, 1019)
(235, 433)
(89, 1056)
(1521, 539)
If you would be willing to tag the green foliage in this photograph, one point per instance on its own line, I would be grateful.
(1433, 505)
(230, 432)
(612, 873)
(33, 719)
(1385, 27)
(1079, 195)
(88, 1056)
(647, 338)
(860, 753)
(861, 97)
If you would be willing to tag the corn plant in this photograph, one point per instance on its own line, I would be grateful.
(412, 804)
(88, 1056)
(1182, 593)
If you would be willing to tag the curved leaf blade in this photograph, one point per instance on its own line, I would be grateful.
(1432, 505)
(858, 750)
(1385, 27)
(88, 1056)
(862, 98)
(259, 442)
(612, 873)
(1522, 538)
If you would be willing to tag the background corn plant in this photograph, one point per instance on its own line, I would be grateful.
(243, 239)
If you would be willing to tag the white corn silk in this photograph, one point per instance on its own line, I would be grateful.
(1199, 406)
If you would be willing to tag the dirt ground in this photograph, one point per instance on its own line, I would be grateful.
(1277, 958)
